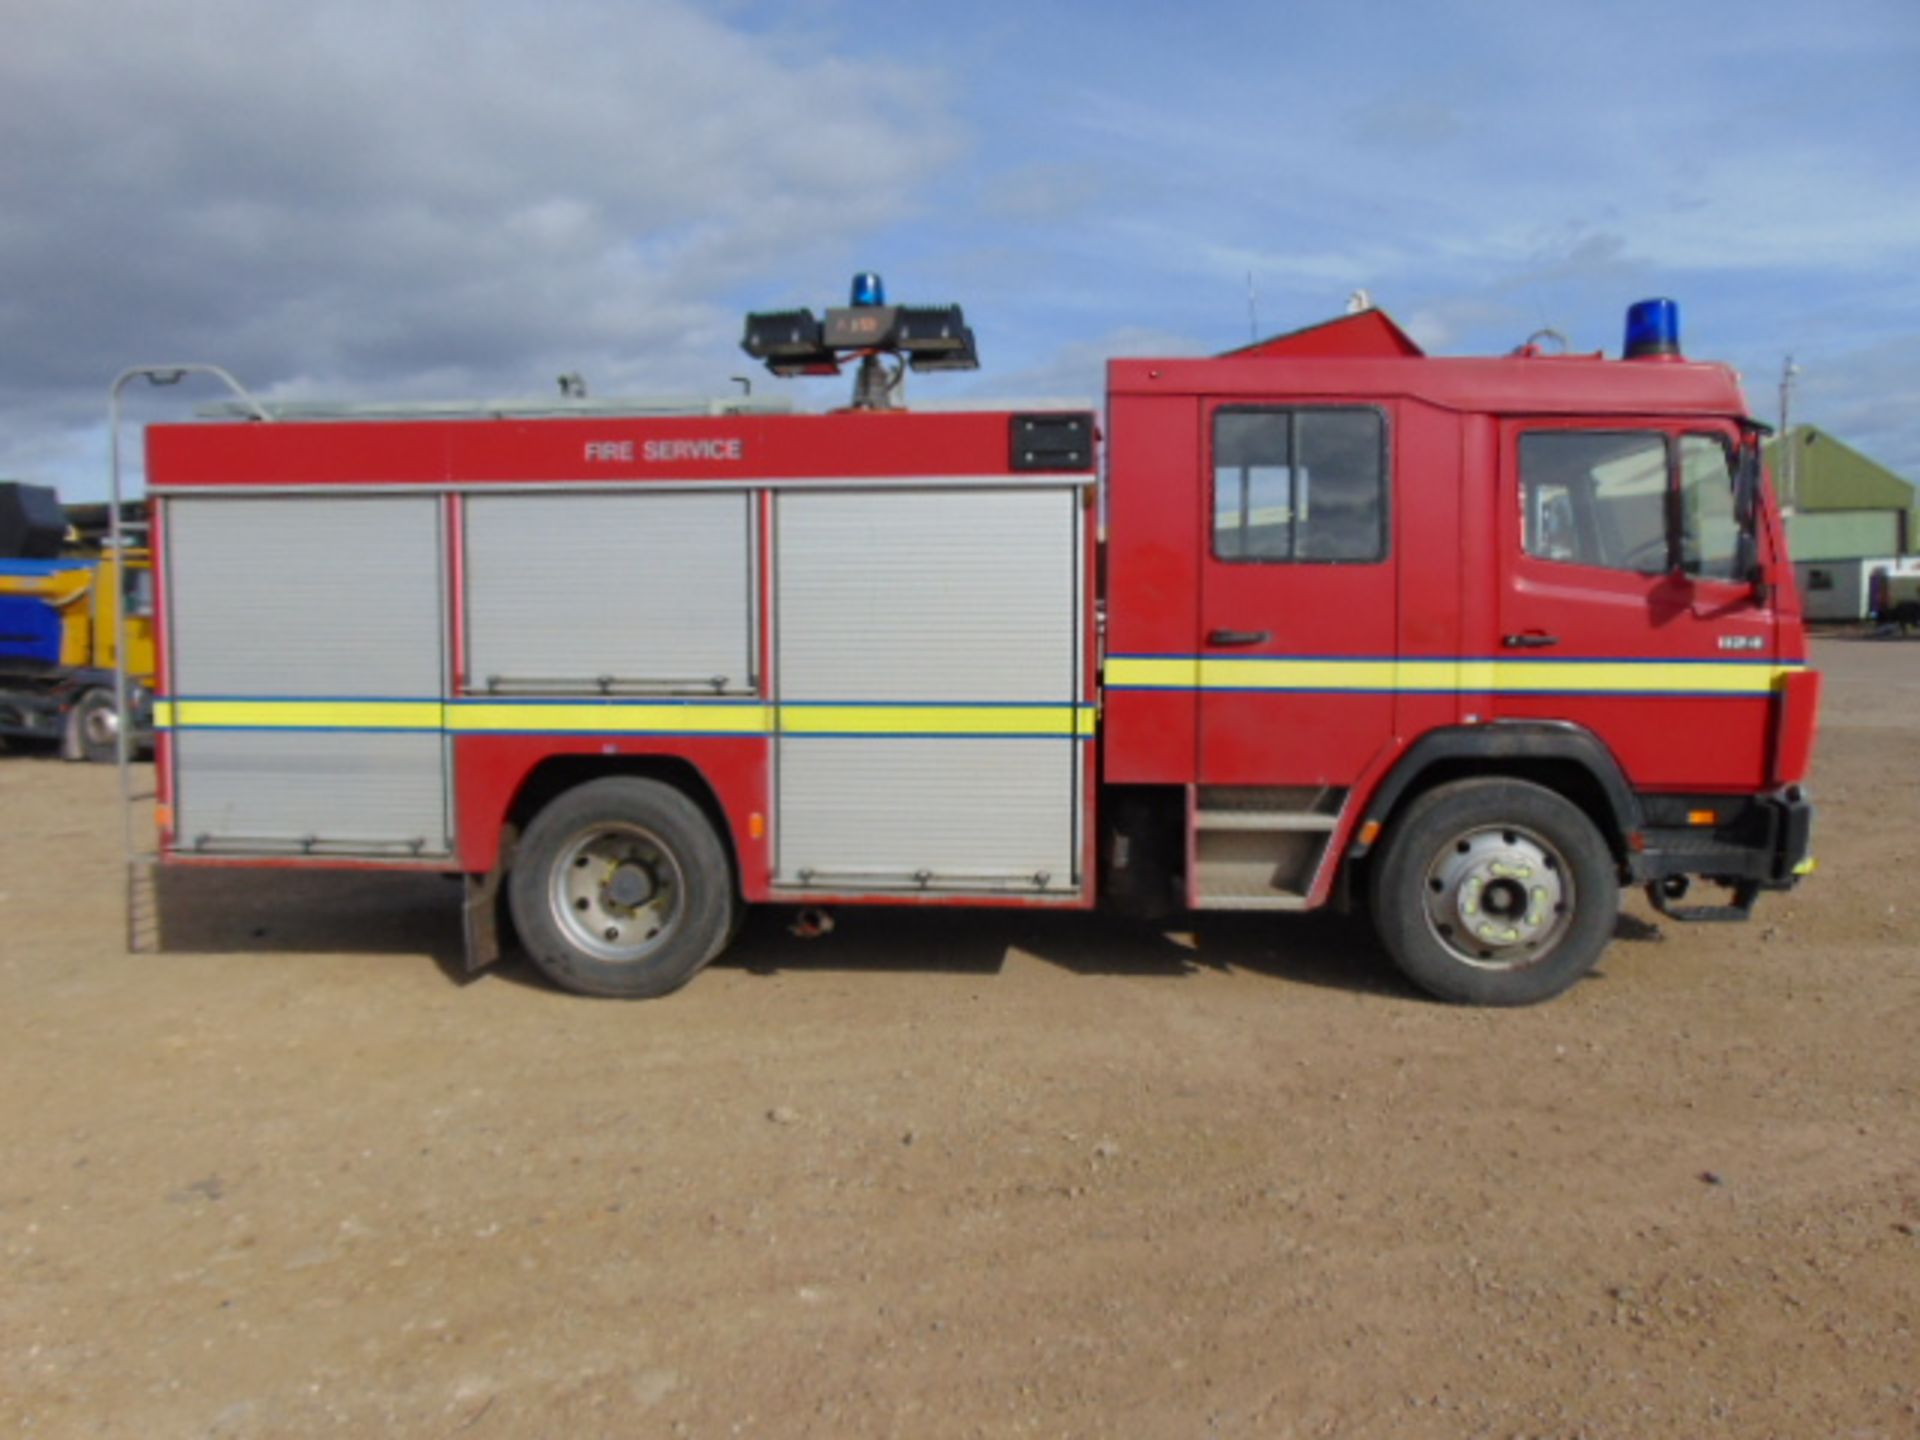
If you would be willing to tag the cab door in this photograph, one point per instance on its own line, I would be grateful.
(1297, 617)
(1625, 607)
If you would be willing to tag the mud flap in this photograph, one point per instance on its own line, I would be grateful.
(481, 920)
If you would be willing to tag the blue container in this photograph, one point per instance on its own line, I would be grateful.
(29, 631)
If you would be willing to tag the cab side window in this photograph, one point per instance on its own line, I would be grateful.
(1709, 521)
(1596, 498)
(1299, 485)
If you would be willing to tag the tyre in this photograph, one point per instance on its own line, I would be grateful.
(1494, 892)
(621, 887)
(93, 728)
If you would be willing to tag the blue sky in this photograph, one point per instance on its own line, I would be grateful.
(456, 199)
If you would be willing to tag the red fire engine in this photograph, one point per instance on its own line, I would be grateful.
(1470, 643)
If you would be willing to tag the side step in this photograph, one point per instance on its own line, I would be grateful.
(1281, 820)
(1744, 894)
(1266, 900)
(1258, 848)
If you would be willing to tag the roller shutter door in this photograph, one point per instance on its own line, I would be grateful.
(621, 593)
(928, 646)
(297, 605)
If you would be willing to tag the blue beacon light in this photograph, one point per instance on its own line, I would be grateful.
(1653, 331)
(867, 290)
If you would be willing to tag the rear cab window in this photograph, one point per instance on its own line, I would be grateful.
(1293, 484)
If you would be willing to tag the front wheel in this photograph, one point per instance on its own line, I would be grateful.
(621, 888)
(1494, 892)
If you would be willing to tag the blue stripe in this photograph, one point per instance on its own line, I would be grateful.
(920, 735)
(1388, 691)
(192, 729)
(935, 704)
(462, 700)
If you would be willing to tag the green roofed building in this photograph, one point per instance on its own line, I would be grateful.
(1849, 517)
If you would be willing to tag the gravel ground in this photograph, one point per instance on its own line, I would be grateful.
(959, 1175)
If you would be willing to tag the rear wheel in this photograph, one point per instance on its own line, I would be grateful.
(621, 887)
(1494, 892)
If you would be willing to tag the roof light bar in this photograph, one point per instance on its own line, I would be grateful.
(922, 337)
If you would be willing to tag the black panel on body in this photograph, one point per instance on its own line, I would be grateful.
(1052, 442)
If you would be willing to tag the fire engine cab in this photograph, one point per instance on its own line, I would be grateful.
(1468, 643)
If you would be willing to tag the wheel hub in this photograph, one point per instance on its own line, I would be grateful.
(1499, 897)
(617, 891)
(630, 886)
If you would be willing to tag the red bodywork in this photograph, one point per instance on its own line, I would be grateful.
(465, 456)
(1452, 585)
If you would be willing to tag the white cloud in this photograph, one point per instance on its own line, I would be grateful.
(353, 196)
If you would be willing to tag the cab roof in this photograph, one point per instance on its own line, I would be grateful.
(1366, 356)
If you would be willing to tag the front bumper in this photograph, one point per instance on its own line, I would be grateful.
(1761, 842)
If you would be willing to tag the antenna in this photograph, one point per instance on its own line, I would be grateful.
(1253, 311)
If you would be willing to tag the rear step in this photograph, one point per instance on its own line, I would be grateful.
(1258, 848)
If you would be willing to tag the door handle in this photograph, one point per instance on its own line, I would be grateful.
(1237, 637)
(1529, 640)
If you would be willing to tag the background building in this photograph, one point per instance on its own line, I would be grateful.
(1850, 517)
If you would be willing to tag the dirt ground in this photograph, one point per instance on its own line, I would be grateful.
(959, 1175)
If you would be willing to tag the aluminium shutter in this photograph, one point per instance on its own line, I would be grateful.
(933, 602)
(308, 600)
(634, 592)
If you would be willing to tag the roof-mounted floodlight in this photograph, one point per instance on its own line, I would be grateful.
(789, 342)
(928, 331)
(920, 337)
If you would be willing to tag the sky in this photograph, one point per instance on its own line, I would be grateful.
(468, 198)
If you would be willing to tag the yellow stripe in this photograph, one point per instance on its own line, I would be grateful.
(1444, 674)
(1173, 673)
(1520, 677)
(479, 717)
(1061, 720)
(304, 714)
(1299, 675)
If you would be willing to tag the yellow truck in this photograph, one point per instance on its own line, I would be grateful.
(61, 590)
